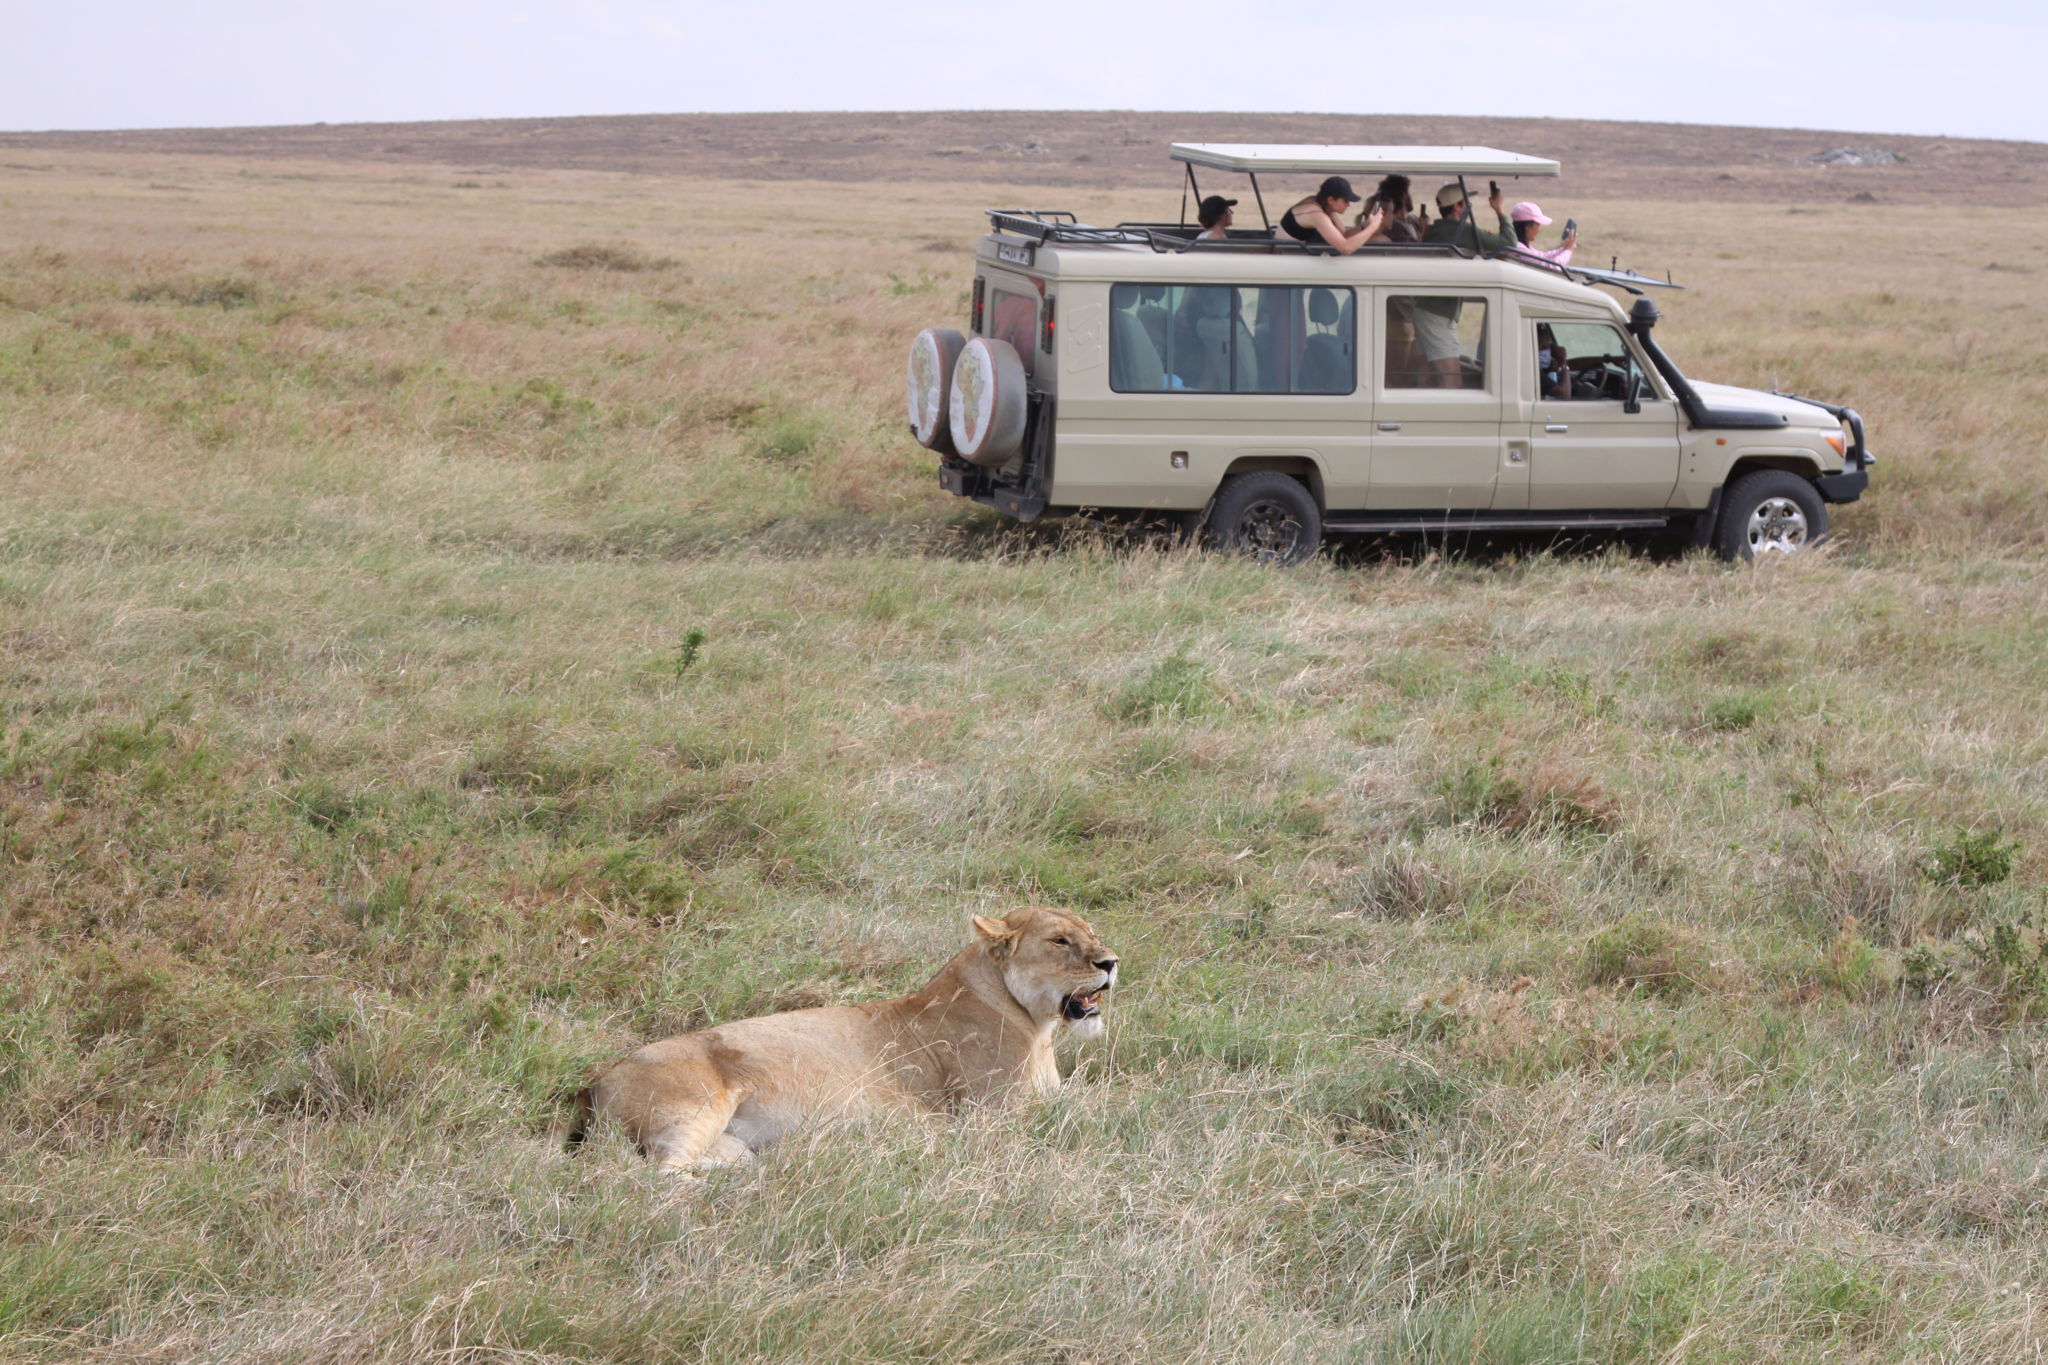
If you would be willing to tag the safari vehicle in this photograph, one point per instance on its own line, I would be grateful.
(1269, 392)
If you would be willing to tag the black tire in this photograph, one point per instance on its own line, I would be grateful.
(1768, 511)
(1265, 516)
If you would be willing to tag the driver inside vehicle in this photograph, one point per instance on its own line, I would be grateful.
(1560, 374)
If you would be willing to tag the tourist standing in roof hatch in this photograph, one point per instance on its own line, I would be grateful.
(1527, 219)
(1316, 219)
(1398, 222)
(1214, 214)
(1455, 225)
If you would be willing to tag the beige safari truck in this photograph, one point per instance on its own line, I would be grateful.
(1269, 393)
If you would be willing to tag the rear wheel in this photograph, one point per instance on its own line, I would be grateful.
(1767, 512)
(1265, 516)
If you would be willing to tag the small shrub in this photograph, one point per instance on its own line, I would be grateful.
(1176, 688)
(1545, 797)
(1650, 955)
(1398, 885)
(550, 402)
(1737, 712)
(1503, 1030)
(1853, 965)
(219, 293)
(2007, 961)
(1742, 656)
(1970, 858)
(327, 807)
(1390, 1094)
(1827, 1298)
(789, 438)
(687, 649)
(600, 256)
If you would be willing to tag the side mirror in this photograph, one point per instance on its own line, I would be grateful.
(1633, 400)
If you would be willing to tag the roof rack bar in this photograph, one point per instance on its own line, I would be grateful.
(1262, 201)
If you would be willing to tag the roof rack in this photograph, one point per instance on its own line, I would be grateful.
(1060, 225)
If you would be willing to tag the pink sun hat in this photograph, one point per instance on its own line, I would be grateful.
(1526, 212)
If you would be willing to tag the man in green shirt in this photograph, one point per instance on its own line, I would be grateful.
(1455, 223)
(1436, 319)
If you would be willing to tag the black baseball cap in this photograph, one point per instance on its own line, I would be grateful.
(1212, 209)
(1337, 187)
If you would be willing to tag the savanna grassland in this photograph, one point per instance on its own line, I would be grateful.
(457, 624)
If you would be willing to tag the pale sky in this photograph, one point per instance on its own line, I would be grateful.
(1879, 66)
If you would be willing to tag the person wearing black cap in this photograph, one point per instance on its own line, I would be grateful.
(1315, 219)
(1214, 216)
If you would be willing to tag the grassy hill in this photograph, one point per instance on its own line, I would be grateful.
(1126, 150)
(462, 616)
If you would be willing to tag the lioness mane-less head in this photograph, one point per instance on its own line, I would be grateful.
(1053, 965)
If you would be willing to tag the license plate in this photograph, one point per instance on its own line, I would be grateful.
(1016, 253)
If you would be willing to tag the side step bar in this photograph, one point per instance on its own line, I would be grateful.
(1404, 522)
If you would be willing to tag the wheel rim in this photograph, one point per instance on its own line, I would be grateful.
(1777, 526)
(1269, 530)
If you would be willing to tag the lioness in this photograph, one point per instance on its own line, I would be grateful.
(980, 1032)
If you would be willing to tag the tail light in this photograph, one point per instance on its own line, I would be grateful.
(980, 296)
(1045, 329)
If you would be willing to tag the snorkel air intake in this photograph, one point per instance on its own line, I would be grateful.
(1642, 316)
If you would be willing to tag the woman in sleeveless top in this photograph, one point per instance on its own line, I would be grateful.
(1315, 219)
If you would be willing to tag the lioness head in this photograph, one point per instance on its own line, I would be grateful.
(1053, 964)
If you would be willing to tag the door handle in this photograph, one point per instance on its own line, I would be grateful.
(1557, 428)
(1390, 426)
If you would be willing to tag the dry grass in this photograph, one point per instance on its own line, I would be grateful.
(427, 671)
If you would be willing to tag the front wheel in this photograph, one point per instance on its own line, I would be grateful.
(1769, 511)
(1267, 517)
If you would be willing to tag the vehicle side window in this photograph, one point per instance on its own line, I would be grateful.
(1435, 342)
(1014, 318)
(1583, 360)
(1221, 338)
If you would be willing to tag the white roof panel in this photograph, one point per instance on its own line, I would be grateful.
(1332, 159)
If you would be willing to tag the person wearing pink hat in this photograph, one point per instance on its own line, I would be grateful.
(1527, 218)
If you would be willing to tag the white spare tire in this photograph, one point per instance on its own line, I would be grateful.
(988, 402)
(929, 384)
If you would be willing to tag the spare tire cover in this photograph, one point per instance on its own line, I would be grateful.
(929, 383)
(988, 402)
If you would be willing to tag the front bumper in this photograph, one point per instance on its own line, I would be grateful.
(1846, 486)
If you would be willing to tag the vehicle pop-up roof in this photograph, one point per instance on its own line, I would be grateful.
(1331, 159)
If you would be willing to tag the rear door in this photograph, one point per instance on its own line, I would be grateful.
(1437, 429)
(1011, 305)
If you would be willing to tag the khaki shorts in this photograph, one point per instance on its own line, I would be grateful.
(1437, 335)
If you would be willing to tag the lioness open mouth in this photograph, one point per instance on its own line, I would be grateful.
(1082, 1005)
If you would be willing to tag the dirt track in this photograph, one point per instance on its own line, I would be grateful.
(1601, 160)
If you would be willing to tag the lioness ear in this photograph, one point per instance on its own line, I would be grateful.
(998, 934)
